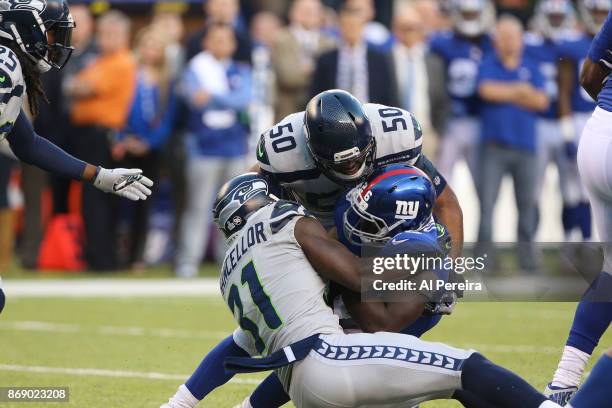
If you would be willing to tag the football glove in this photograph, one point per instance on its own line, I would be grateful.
(126, 183)
(445, 306)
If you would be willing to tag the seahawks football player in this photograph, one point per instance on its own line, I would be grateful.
(337, 143)
(357, 225)
(34, 38)
(273, 282)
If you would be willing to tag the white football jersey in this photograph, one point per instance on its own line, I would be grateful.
(283, 154)
(276, 296)
(12, 90)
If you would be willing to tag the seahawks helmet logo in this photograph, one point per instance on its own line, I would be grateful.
(38, 5)
(248, 189)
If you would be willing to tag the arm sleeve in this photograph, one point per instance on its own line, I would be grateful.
(428, 167)
(602, 43)
(38, 151)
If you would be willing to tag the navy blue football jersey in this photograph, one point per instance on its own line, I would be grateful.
(575, 50)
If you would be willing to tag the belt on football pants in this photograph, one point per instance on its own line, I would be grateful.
(280, 358)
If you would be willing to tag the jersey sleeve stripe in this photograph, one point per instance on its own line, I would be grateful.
(16, 91)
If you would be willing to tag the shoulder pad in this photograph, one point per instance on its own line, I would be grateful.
(282, 151)
(285, 211)
(9, 88)
(10, 64)
(399, 136)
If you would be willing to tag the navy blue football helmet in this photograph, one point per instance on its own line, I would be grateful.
(396, 198)
(339, 137)
(41, 28)
(238, 199)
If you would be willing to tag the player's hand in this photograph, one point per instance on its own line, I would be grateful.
(127, 183)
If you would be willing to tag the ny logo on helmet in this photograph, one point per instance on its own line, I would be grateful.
(406, 210)
(38, 5)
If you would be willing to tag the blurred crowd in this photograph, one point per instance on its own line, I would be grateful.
(187, 108)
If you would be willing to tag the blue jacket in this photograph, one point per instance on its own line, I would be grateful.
(147, 119)
(224, 140)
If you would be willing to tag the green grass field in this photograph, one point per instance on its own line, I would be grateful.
(117, 352)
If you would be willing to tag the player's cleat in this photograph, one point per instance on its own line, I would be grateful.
(560, 395)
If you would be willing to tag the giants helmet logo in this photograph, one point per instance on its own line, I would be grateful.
(406, 210)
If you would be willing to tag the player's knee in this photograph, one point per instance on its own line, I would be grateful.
(2, 300)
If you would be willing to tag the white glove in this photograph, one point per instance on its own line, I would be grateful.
(127, 183)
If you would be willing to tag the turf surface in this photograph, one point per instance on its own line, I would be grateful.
(135, 352)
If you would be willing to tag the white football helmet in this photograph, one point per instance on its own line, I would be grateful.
(472, 18)
(593, 13)
(553, 18)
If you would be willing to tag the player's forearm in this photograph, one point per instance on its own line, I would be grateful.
(448, 212)
(37, 151)
(566, 85)
(372, 317)
(592, 77)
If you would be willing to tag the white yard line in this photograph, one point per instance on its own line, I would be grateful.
(97, 372)
(110, 288)
(38, 326)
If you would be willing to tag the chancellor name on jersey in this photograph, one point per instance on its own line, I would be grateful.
(12, 90)
(283, 154)
(289, 308)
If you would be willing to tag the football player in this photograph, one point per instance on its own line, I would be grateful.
(553, 23)
(462, 49)
(594, 312)
(34, 38)
(273, 282)
(385, 186)
(338, 142)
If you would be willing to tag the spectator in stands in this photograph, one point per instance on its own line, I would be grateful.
(85, 51)
(511, 88)
(149, 124)
(227, 12)
(265, 28)
(217, 91)
(167, 19)
(102, 94)
(421, 76)
(294, 56)
(432, 16)
(356, 67)
(375, 33)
